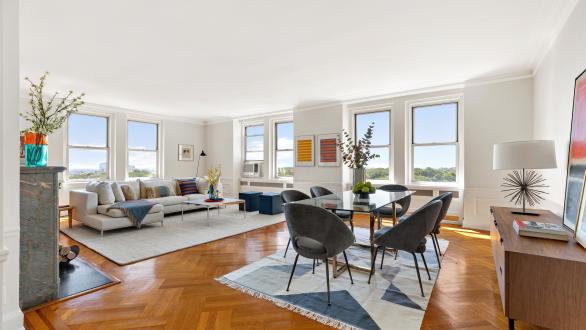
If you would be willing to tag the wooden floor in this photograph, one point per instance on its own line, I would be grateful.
(178, 290)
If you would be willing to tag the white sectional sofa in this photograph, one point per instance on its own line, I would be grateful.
(88, 210)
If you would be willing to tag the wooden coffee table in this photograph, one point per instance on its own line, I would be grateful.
(218, 205)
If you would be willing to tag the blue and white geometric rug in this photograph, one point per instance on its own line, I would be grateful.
(391, 301)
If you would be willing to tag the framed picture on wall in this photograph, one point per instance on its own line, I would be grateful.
(186, 152)
(304, 150)
(576, 154)
(580, 232)
(327, 150)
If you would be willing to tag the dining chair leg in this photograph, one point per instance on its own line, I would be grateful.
(418, 275)
(383, 259)
(313, 270)
(425, 264)
(435, 249)
(327, 279)
(287, 248)
(396, 254)
(373, 263)
(351, 224)
(292, 271)
(439, 250)
(348, 266)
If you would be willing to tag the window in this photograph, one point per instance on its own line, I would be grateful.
(284, 149)
(87, 147)
(378, 168)
(143, 149)
(435, 143)
(254, 143)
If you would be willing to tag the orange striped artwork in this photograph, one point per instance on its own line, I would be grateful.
(304, 150)
(328, 150)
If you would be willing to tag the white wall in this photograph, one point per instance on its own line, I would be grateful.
(554, 95)
(324, 120)
(498, 112)
(173, 131)
(222, 148)
(10, 313)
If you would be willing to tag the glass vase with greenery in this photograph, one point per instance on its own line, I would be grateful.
(45, 117)
(357, 154)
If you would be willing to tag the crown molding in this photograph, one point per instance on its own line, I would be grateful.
(562, 18)
(110, 109)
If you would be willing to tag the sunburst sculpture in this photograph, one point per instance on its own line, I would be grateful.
(524, 187)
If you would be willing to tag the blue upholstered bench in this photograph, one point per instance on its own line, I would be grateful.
(251, 198)
(270, 203)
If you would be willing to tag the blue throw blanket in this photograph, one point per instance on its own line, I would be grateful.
(136, 211)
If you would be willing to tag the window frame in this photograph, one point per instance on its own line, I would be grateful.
(410, 109)
(276, 149)
(107, 148)
(382, 108)
(157, 151)
(245, 146)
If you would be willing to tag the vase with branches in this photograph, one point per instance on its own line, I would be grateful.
(214, 174)
(357, 154)
(46, 116)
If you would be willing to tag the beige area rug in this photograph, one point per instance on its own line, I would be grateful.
(128, 245)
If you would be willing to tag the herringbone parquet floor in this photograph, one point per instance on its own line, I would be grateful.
(178, 290)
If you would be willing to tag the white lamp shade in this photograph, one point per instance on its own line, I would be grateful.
(534, 154)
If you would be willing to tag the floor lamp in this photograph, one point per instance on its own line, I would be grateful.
(202, 154)
(524, 185)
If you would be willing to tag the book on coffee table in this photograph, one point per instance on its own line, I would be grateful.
(540, 229)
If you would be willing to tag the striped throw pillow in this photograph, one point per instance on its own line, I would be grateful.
(187, 186)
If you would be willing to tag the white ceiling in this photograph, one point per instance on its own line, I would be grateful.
(213, 59)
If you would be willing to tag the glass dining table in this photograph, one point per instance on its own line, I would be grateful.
(348, 201)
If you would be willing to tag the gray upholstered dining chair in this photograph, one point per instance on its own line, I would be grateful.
(317, 191)
(401, 205)
(288, 196)
(317, 234)
(409, 236)
(446, 199)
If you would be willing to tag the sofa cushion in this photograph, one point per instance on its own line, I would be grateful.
(134, 185)
(193, 197)
(157, 183)
(118, 213)
(118, 194)
(171, 200)
(128, 192)
(104, 191)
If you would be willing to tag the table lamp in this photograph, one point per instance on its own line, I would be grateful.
(526, 185)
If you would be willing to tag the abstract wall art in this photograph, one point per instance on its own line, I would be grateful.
(327, 150)
(576, 154)
(304, 150)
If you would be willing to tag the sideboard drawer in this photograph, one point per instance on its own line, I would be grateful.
(498, 253)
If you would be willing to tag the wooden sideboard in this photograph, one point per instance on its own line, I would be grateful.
(541, 281)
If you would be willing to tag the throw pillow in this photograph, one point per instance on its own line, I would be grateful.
(118, 194)
(128, 192)
(104, 191)
(144, 184)
(202, 185)
(187, 186)
(156, 192)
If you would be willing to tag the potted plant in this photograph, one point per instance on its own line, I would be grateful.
(214, 174)
(363, 190)
(356, 154)
(46, 116)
